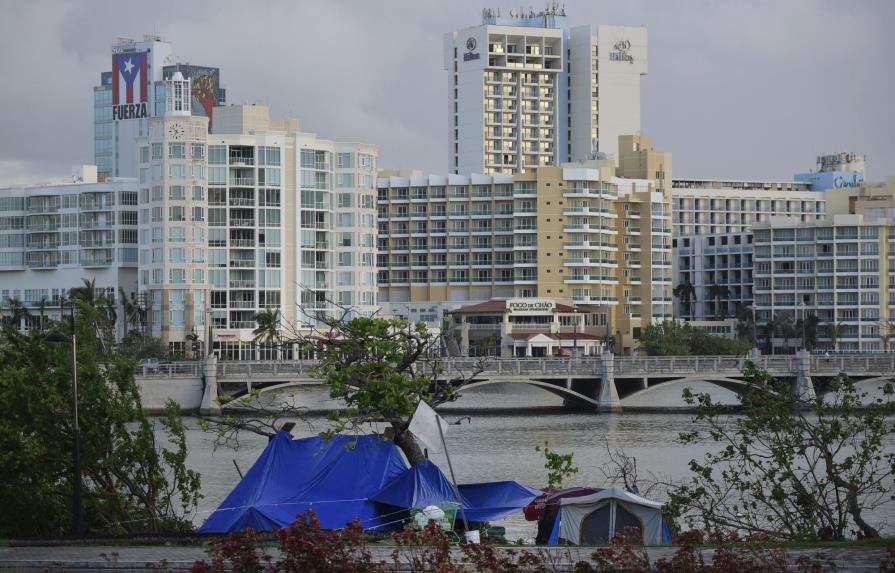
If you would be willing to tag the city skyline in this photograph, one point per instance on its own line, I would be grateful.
(706, 99)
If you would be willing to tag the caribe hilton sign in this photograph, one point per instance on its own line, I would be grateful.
(621, 53)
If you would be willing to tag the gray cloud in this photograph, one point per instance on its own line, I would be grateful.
(736, 89)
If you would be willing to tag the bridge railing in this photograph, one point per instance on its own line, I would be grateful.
(557, 366)
(883, 363)
(278, 368)
(173, 370)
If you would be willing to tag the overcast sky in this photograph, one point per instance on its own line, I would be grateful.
(736, 89)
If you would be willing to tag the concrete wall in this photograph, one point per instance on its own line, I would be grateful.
(155, 392)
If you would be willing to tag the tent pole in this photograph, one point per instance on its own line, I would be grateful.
(453, 478)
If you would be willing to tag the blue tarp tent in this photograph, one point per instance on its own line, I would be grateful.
(419, 486)
(349, 477)
(335, 478)
(495, 500)
(425, 484)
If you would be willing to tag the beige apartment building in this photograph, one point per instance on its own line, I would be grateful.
(578, 232)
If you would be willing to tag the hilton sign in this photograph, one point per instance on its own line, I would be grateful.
(622, 47)
(470, 54)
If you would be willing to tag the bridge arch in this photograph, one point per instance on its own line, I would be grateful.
(553, 388)
(732, 384)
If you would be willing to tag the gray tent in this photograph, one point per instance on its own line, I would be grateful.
(595, 519)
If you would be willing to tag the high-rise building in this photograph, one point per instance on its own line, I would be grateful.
(574, 232)
(53, 236)
(133, 92)
(526, 90)
(255, 215)
(713, 238)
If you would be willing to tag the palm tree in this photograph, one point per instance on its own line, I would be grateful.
(718, 292)
(886, 330)
(784, 328)
(268, 329)
(745, 326)
(834, 331)
(808, 326)
(17, 312)
(686, 293)
(86, 293)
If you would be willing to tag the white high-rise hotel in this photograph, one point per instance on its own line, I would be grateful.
(254, 215)
(526, 90)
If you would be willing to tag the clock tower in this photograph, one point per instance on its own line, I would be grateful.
(173, 222)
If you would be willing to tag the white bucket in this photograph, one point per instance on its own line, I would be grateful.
(473, 537)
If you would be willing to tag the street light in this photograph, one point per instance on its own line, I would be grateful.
(575, 334)
(77, 508)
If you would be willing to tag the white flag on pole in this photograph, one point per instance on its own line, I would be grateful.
(424, 426)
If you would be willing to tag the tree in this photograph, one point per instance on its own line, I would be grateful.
(671, 338)
(745, 326)
(17, 312)
(784, 328)
(686, 294)
(790, 467)
(559, 466)
(835, 331)
(718, 292)
(381, 368)
(808, 326)
(268, 329)
(886, 330)
(132, 483)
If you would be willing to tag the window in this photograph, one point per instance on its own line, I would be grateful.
(176, 213)
(156, 150)
(177, 255)
(177, 276)
(198, 276)
(144, 155)
(175, 193)
(198, 151)
(198, 256)
(217, 155)
(198, 171)
(198, 193)
(198, 214)
(176, 171)
(176, 234)
(345, 200)
(176, 151)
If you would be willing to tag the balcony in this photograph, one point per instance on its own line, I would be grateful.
(235, 222)
(242, 283)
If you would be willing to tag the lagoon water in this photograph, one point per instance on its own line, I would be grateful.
(499, 426)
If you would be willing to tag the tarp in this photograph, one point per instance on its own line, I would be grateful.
(336, 478)
(349, 477)
(495, 500)
(424, 484)
(419, 486)
(595, 519)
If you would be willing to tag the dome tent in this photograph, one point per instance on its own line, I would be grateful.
(595, 519)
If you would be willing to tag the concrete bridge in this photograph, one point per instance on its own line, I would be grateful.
(595, 383)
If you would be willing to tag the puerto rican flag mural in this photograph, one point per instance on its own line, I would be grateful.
(129, 78)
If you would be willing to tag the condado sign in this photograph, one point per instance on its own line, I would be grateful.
(530, 306)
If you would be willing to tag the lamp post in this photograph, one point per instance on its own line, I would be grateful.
(575, 335)
(77, 506)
